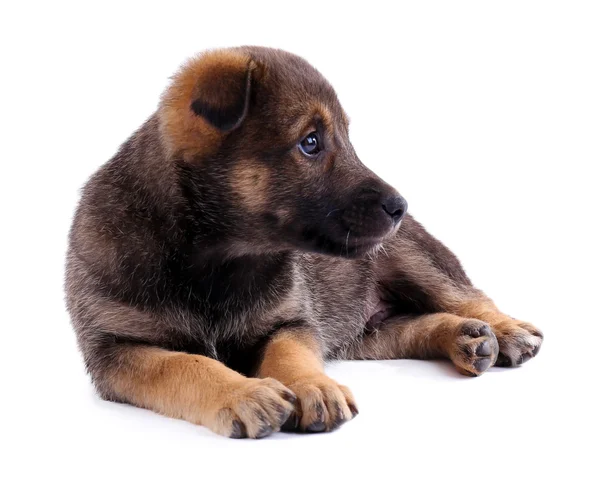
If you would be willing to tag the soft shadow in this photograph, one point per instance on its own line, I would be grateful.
(441, 369)
(436, 369)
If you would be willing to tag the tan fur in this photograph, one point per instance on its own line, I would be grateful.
(480, 308)
(184, 132)
(199, 390)
(250, 180)
(293, 358)
(308, 121)
(325, 115)
(291, 355)
(518, 340)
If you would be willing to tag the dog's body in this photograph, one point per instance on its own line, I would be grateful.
(238, 227)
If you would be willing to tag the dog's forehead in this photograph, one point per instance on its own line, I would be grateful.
(296, 83)
(286, 66)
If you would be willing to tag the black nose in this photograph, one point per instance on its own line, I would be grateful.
(395, 206)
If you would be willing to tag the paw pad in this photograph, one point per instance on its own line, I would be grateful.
(475, 348)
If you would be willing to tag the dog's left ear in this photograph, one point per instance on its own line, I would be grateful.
(223, 89)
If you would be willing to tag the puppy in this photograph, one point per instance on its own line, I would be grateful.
(236, 242)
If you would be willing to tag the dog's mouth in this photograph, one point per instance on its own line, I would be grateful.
(350, 245)
(340, 237)
(360, 242)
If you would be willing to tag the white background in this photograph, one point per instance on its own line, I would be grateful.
(484, 115)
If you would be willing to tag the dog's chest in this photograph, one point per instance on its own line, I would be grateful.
(343, 295)
(241, 301)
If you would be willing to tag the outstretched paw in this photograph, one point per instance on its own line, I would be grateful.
(519, 342)
(474, 348)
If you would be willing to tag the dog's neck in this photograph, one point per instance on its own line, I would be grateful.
(248, 278)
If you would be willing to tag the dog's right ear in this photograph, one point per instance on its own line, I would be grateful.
(223, 90)
(208, 98)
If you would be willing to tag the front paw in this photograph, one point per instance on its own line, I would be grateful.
(519, 342)
(255, 408)
(323, 405)
(474, 347)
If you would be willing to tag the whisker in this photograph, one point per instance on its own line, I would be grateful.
(347, 237)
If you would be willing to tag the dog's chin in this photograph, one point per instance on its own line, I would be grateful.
(362, 250)
(352, 249)
(338, 243)
(363, 246)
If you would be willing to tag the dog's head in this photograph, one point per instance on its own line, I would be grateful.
(264, 145)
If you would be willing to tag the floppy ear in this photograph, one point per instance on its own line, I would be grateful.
(223, 91)
(208, 97)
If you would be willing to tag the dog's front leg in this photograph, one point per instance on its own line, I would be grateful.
(195, 388)
(293, 357)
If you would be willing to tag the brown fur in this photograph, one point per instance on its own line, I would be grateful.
(213, 250)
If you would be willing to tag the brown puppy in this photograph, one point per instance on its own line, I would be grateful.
(235, 243)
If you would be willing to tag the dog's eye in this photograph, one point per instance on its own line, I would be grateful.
(310, 145)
